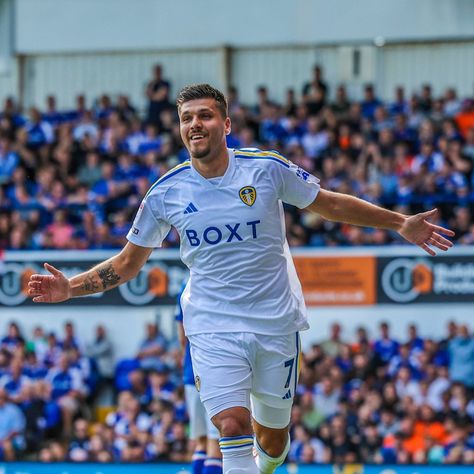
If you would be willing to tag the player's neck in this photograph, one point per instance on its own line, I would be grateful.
(212, 166)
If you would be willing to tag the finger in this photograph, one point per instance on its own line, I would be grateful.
(34, 291)
(430, 214)
(442, 230)
(438, 245)
(39, 299)
(427, 249)
(441, 239)
(54, 271)
(37, 277)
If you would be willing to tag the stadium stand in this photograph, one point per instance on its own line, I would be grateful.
(73, 178)
(372, 400)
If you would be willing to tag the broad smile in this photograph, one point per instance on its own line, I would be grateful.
(196, 137)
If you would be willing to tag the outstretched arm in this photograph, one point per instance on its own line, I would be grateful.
(119, 269)
(351, 210)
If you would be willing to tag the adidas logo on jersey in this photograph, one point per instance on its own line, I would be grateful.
(190, 209)
(287, 395)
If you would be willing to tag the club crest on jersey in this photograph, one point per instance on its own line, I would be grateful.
(248, 194)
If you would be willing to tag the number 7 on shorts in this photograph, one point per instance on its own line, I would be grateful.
(289, 363)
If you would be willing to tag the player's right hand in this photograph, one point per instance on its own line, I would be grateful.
(52, 288)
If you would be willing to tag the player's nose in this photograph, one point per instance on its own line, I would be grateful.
(196, 124)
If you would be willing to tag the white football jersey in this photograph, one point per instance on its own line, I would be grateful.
(242, 276)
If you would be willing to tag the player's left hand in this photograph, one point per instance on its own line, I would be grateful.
(417, 230)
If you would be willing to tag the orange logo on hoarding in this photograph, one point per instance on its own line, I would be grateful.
(158, 282)
(25, 278)
(422, 278)
(404, 279)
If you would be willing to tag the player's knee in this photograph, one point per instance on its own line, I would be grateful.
(233, 422)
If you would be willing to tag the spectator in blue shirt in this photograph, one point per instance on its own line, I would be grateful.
(370, 102)
(461, 358)
(13, 338)
(12, 425)
(14, 380)
(415, 342)
(152, 348)
(400, 104)
(70, 340)
(39, 131)
(385, 347)
(68, 389)
(9, 159)
(52, 115)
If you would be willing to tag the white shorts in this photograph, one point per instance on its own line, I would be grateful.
(255, 371)
(199, 422)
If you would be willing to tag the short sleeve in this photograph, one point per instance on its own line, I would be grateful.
(148, 228)
(297, 187)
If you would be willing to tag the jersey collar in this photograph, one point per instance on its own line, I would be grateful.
(226, 179)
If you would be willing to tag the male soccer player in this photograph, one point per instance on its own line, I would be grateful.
(207, 457)
(243, 304)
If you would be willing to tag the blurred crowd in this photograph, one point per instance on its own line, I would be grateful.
(74, 178)
(368, 399)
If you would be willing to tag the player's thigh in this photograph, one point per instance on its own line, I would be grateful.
(275, 366)
(222, 371)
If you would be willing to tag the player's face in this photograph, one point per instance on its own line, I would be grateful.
(203, 129)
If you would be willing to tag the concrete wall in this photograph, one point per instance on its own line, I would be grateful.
(442, 64)
(115, 25)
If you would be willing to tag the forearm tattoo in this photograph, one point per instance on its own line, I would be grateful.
(90, 285)
(108, 276)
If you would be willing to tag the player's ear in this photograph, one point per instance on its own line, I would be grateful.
(227, 125)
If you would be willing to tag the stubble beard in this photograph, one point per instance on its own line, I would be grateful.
(200, 154)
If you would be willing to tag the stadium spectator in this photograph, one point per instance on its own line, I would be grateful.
(102, 351)
(70, 340)
(13, 339)
(68, 389)
(339, 145)
(14, 381)
(461, 353)
(339, 414)
(157, 92)
(12, 425)
(9, 159)
(317, 87)
(385, 347)
(38, 343)
(326, 397)
(333, 346)
(370, 102)
(152, 348)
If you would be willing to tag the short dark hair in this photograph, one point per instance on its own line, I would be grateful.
(202, 91)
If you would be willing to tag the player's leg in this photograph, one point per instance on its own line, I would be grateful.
(213, 462)
(197, 428)
(223, 375)
(271, 444)
(275, 364)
